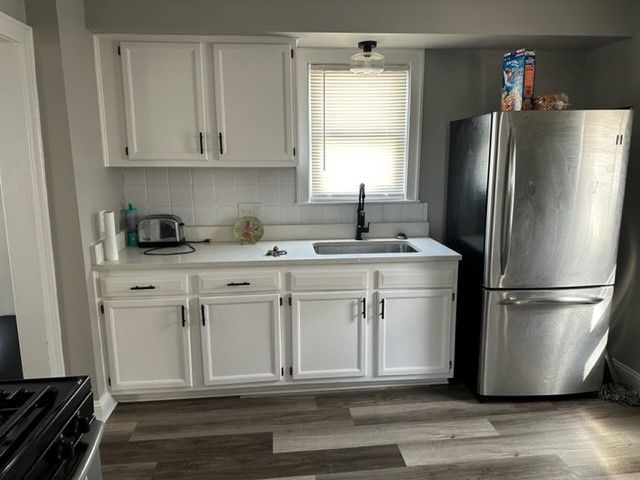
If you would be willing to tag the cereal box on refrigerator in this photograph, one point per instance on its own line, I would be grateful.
(512, 80)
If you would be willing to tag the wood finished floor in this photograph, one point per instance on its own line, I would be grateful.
(432, 432)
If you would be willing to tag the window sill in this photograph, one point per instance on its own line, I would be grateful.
(355, 200)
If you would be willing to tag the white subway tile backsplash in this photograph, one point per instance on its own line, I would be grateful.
(247, 176)
(226, 215)
(205, 215)
(210, 196)
(202, 176)
(331, 214)
(135, 194)
(158, 195)
(156, 176)
(181, 195)
(224, 176)
(287, 176)
(349, 214)
(179, 176)
(185, 213)
(290, 214)
(203, 195)
(134, 176)
(269, 194)
(392, 213)
(225, 196)
(287, 195)
(412, 212)
(268, 176)
(247, 193)
(374, 213)
(311, 214)
(271, 215)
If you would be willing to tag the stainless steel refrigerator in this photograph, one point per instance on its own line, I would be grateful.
(534, 202)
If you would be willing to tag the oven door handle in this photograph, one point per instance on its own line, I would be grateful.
(93, 440)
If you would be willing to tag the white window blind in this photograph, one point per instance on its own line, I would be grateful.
(358, 133)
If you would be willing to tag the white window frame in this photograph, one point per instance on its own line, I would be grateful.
(414, 58)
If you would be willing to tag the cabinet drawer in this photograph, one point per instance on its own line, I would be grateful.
(239, 281)
(426, 276)
(338, 280)
(144, 285)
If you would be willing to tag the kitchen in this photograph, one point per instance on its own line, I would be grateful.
(312, 353)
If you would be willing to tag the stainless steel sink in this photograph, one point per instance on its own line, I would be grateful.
(359, 247)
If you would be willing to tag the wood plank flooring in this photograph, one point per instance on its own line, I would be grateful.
(437, 432)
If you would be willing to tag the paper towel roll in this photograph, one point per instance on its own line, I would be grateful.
(110, 243)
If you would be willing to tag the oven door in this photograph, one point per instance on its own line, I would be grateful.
(89, 466)
(543, 342)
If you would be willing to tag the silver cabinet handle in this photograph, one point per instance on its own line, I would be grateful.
(507, 211)
(552, 301)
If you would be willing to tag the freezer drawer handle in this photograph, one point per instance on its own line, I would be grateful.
(552, 301)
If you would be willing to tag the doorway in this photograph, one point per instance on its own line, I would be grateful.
(27, 276)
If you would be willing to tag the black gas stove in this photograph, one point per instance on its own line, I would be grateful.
(44, 426)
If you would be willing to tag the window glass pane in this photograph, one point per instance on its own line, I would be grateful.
(359, 128)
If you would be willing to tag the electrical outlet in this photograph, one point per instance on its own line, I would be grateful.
(249, 209)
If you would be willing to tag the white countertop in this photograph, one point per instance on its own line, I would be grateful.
(298, 252)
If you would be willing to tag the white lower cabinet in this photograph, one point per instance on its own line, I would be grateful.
(241, 339)
(340, 324)
(148, 343)
(414, 332)
(328, 333)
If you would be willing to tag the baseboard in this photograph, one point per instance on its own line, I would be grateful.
(628, 375)
(104, 406)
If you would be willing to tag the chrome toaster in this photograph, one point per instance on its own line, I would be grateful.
(160, 231)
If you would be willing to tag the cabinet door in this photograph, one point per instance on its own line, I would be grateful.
(414, 332)
(254, 103)
(164, 101)
(241, 339)
(148, 343)
(328, 334)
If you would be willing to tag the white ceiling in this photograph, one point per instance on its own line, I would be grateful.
(453, 41)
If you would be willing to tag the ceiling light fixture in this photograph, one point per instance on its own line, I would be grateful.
(367, 62)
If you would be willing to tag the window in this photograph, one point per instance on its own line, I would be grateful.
(358, 129)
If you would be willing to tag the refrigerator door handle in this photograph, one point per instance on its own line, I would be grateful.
(552, 301)
(507, 212)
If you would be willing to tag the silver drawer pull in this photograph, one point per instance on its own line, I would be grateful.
(552, 301)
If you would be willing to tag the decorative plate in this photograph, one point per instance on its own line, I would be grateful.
(248, 229)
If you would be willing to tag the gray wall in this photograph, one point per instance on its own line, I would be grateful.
(462, 83)
(496, 17)
(7, 305)
(77, 181)
(614, 81)
(14, 8)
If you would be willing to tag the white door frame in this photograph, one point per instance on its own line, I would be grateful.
(38, 322)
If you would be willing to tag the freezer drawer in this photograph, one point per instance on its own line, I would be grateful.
(543, 342)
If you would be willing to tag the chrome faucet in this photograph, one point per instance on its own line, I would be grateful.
(360, 223)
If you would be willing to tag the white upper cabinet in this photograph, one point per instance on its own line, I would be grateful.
(164, 101)
(253, 97)
(195, 101)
